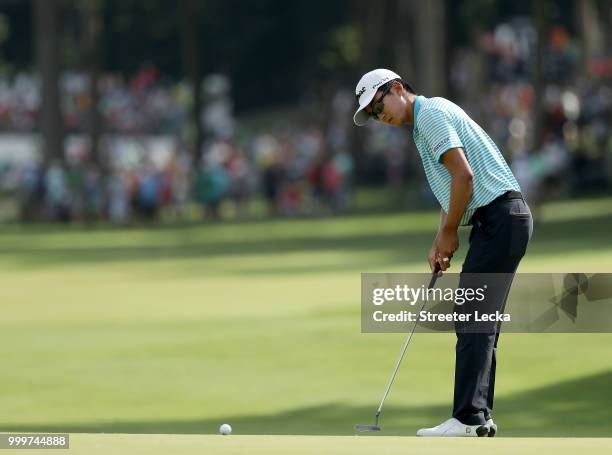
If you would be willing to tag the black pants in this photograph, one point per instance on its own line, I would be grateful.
(498, 241)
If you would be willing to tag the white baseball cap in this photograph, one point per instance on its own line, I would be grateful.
(366, 89)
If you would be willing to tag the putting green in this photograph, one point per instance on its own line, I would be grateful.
(154, 444)
(175, 330)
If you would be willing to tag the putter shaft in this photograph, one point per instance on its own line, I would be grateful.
(432, 283)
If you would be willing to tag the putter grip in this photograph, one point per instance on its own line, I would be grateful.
(434, 275)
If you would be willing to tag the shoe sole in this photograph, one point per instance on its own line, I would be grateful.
(492, 432)
(482, 432)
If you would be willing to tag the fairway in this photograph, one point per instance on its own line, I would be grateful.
(156, 444)
(175, 330)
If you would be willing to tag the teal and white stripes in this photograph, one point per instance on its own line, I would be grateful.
(440, 125)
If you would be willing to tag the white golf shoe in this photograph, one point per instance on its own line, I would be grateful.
(492, 427)
(453, 428)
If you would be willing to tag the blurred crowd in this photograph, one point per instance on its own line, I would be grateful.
(571, 154)
(297, 167)
(291, 173)
(149, 171)
(146, 103)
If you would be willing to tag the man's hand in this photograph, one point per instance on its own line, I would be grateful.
(433, 254)
(446, 244)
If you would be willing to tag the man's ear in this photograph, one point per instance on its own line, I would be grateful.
(397, 87)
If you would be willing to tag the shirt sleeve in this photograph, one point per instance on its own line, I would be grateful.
(436, 128)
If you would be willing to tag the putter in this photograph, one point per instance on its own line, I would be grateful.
(376, 427)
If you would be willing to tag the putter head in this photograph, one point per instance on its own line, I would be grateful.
(367, 428)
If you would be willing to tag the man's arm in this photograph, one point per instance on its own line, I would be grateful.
(433, 252)
(461, 186)
(442, 220)
(447, 242)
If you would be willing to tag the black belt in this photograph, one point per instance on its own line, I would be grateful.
(510, 195)
(506, 196)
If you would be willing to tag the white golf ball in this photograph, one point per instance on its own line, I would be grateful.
(225, 429)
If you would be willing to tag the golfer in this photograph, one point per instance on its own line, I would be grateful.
(474, 186)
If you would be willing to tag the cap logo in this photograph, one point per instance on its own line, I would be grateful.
(380, 82)
(363, 89)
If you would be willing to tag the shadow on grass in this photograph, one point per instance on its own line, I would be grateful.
(235, 247)
(549, 238)
(576, 408)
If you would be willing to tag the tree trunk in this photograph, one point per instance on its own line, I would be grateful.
(404, 48)
(592, 37)
(192, 68)
(370, 19)
(46, 18)
(431, 35)
(93, 30)
(540, 13)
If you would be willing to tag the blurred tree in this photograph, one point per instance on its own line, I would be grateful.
(46, 14)
(540, 12)
(142, 32)
(467, 22)
(18, 50)
(370, 17)
(337, 62)
(5, 31)
(468, 19)
(192, 67)
(343, 50)
(431, 38)
(404, 50)
(271, 50)
(92, 20)
(591, 31)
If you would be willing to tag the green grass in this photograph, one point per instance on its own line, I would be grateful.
(163, 444)
(179, 329)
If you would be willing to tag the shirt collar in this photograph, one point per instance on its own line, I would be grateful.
(416, 107)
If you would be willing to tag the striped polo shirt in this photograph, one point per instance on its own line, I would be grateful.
(440, 125)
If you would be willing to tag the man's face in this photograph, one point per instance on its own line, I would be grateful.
(393, 104)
